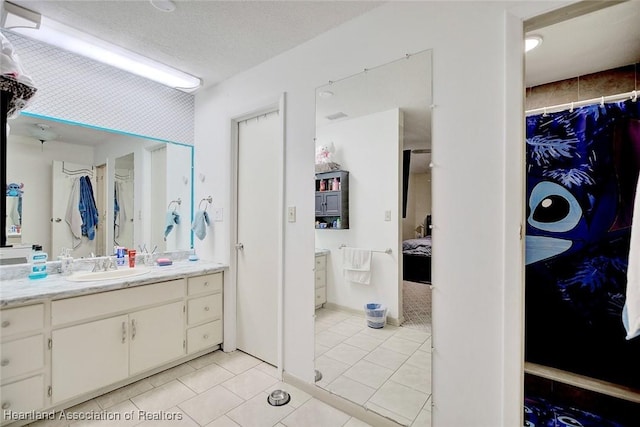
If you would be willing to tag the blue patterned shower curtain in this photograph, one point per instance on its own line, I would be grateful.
(582, 168)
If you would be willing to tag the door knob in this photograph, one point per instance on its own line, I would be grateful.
(239, 246)
(56, 220)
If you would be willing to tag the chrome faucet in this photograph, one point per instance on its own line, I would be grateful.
(107, 264)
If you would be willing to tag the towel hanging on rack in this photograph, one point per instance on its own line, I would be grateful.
(119, 214)
(72, 216)
(88, 209)
(172, 218)
(356, 264)
(200, 224)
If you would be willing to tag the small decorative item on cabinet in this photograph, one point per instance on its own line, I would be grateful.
(332, 200)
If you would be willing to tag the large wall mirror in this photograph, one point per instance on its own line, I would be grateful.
(133, 181)
(375, 127)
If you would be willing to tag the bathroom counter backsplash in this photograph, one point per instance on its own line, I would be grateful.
(17, 289)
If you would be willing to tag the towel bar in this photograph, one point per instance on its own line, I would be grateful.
(386, 251)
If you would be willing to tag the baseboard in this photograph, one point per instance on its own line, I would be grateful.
(390, 320)
(346, 406)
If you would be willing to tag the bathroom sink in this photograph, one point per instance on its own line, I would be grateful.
(107, 275)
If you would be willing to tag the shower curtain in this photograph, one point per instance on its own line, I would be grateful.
(582, 170)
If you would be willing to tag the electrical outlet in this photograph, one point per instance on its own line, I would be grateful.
(291, 214)
(387, 215)
(217, 214)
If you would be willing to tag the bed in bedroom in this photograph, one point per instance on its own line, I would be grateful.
(416, 257)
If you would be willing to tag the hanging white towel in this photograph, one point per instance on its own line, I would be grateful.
(72, 216)
(631, 312)
(357, 265)
(120, 214)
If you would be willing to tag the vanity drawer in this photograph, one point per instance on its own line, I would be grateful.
(321, 278)
(321, 262)
(22, 356)
(202, 284)
(204, 308)
(22, 396)
(106, 303)
(204, 336)
(22, 319)
(321, 296)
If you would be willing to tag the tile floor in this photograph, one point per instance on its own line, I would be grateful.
(215, 390)
(386, 370)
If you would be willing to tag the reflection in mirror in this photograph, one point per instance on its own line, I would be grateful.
(376, 126)
(123, 201)
(14, 195)
(49, 163)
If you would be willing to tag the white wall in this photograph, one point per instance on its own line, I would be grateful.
(179, 187)
(477, 131)
(366, 143)
(30, 162)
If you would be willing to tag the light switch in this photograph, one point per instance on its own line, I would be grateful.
(217, 214)
(291, 214)
(387, 215)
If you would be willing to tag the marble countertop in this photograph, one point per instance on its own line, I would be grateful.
(56, 286)
(320, 251)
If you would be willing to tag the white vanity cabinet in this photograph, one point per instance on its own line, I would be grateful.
(204, 312)
(22, 359)
(62, 350)
(321, 280)
(99, 352)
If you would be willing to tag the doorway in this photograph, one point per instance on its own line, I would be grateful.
(258, 191)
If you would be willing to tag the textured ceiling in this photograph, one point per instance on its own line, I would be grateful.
(210, 39)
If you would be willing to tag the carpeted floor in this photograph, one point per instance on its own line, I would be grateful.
(416, 300)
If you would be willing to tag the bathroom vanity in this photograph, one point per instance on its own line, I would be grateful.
(64, 342)
(321, 277)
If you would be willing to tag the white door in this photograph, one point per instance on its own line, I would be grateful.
(158, 198)
(64, 174)
(258, 227)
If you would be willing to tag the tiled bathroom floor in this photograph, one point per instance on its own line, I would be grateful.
(215, 390)
(386, 370)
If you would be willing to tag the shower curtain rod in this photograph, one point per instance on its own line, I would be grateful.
(633, 95)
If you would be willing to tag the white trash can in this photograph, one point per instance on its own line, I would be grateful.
(376, 315)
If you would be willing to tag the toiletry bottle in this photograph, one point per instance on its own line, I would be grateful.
(338, 223)
(38, 263)
(120, 251)
(336, 184)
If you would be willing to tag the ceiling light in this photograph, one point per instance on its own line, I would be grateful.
(532, 42)
(325, 94)
(64, 37)
(163, 5)
(42, 132)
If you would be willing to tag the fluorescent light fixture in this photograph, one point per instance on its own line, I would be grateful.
(163, 5)
(65, 37)
(532, 42)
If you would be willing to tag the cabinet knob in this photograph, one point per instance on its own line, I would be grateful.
(5, 362)
(205, 336)
(6, 405)
(206, 308)
(6, 324)
(206, 284)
